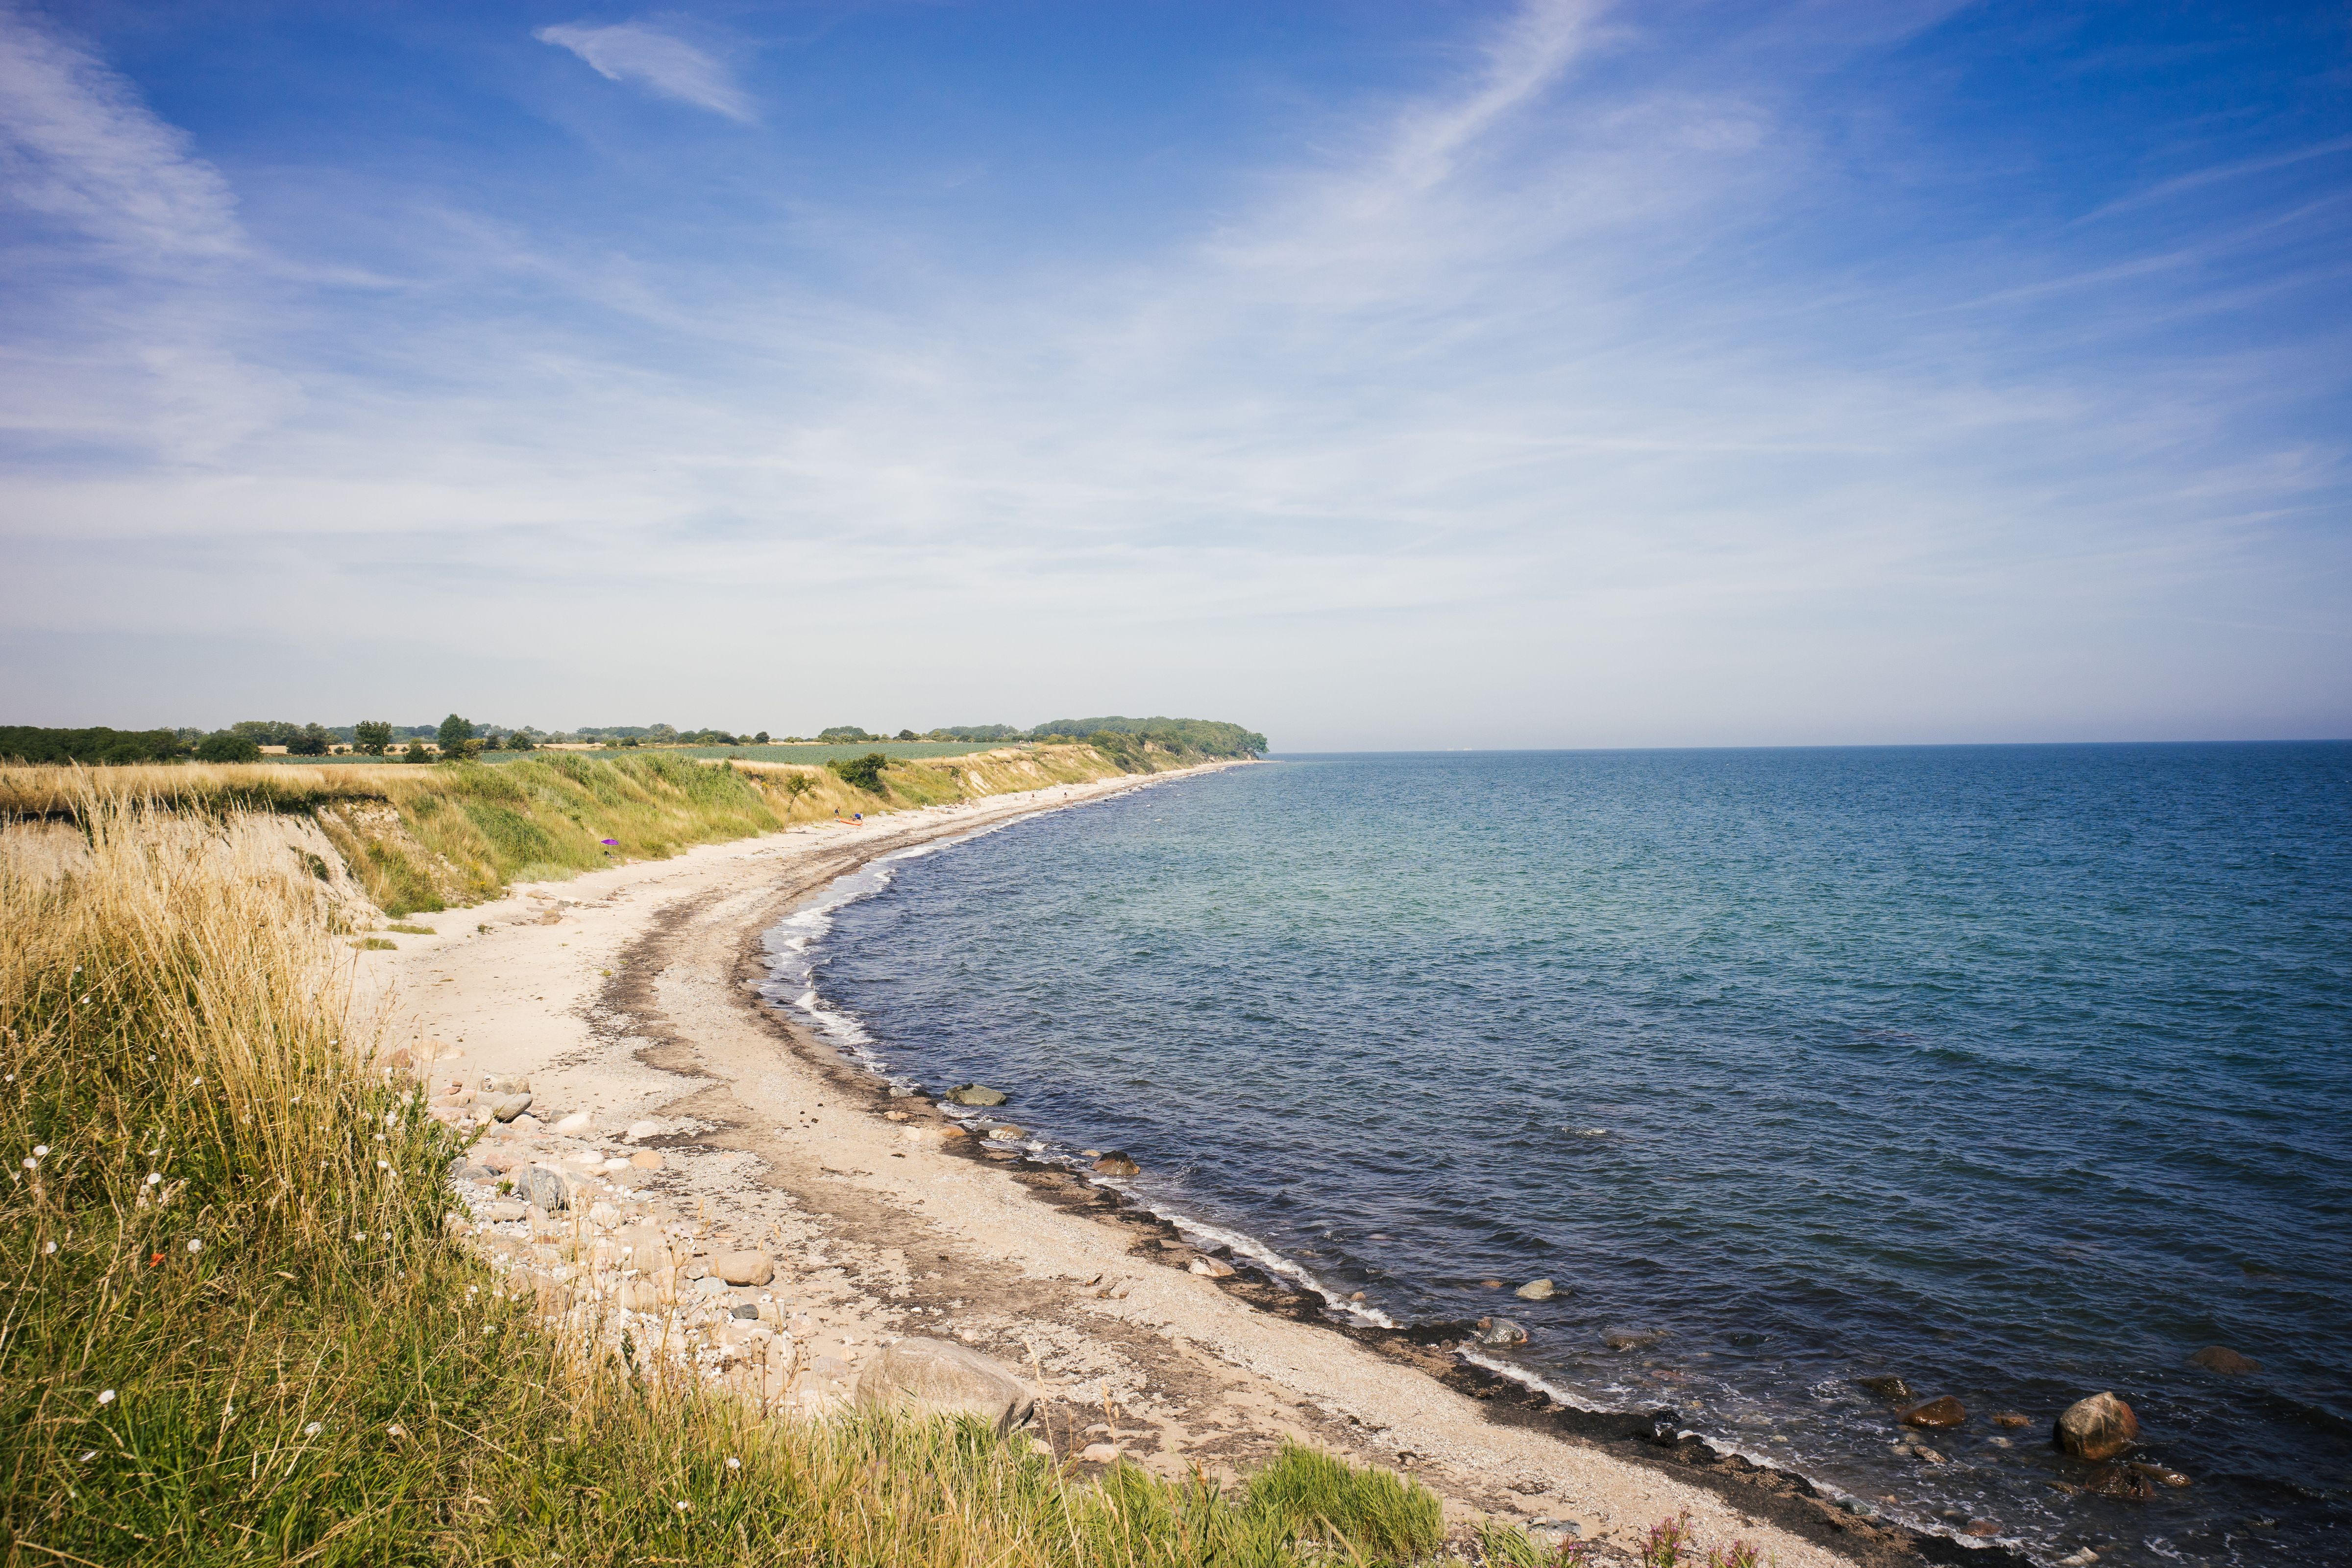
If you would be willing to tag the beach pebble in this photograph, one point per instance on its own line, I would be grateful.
(1214, 1268)
(1098, 1454)
(1942, 1410)
(2099, 1428)
(2015, 1420)
(941, 1377)
(2223, 1360)
(526, 1122)
(745, 1311)
(1537, 1290)
(640, 1131)
(604, 1214)
(1629, 1339)
(647, 1160)
(710, 1285)
(543, 1187)
(504, 1211)
(578, 1122)
(744, 1267)
(1502, 1331)
(1008, 1134)
(896, 1116)
(976, 1094)
(1114, 1163)
(1981, 1528)
(507, 1107)
(500, 1083)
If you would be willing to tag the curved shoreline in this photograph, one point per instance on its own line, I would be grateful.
(1507, 1395)
(640, 1000)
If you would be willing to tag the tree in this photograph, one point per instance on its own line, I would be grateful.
(862, 772)
(454, 734)
(908, 735)
(492, 743)
(228, 746)
(761, 737)
(371, 736)
(310, 740)
(417, 752)
(518, 741)
(843, 733)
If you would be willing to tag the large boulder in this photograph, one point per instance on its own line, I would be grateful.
(2223, 1360)
(506, 1107)
(1114, 1163)
(1500, 1332)
(939, 1377)
(1942, 1410)
(2099, 1428)
(978, 1094)
(1537, 1290)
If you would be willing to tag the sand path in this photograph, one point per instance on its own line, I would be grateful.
(629, 994)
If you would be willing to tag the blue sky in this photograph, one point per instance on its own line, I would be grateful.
(1376, 374)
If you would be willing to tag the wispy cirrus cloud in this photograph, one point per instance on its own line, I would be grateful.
(78, 146)
(661, 62)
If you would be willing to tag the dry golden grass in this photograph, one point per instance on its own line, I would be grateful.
(232, 1330)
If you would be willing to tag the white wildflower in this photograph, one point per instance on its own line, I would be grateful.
(106, 1396)
(383, 1164)
(50, 1247)
(312, 1430)
(196, 1246)
(88, 1455)
(40, 1151)
(684, 1506)
(154, 1178)
(733, 1463)
(397, 1430)
(32, 1164)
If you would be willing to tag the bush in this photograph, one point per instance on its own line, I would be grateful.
(310, 740)
(228, 746)
(417, 752)
(372, 737)
(861, 772)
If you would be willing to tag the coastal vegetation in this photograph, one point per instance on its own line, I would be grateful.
(420, 838)
(238, 1330)
(457, 736)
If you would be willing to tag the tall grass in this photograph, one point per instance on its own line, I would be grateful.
(232, 1330)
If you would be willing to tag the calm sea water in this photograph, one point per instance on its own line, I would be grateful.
(2019, 1072)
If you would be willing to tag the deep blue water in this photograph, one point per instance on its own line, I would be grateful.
(2021, 1072)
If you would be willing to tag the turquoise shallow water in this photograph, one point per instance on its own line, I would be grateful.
(2021, 1072)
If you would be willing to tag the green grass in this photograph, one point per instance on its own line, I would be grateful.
(326, 1377)
(410, 929)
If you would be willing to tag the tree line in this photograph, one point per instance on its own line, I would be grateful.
(457, 736)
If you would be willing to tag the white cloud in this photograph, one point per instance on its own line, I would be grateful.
(78, 146)
(634, 51)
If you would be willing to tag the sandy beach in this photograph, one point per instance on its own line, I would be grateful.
(628, 997)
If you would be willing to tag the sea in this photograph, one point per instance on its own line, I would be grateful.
(2021, 1073)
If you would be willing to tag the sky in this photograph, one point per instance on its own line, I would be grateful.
(1376, 375)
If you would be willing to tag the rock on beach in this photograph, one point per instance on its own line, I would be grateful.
(2099, 1428)
(941, 1377)
(544, 1188)
(744, 1267)
(1537, 1290)
(977, 1094)
(2225, 1360)
(1114, 1163)
(1942, 1410)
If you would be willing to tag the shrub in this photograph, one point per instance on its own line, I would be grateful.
(861, 772)
(417, 752)
(310, 740)
(228, 746)
(371, 736)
